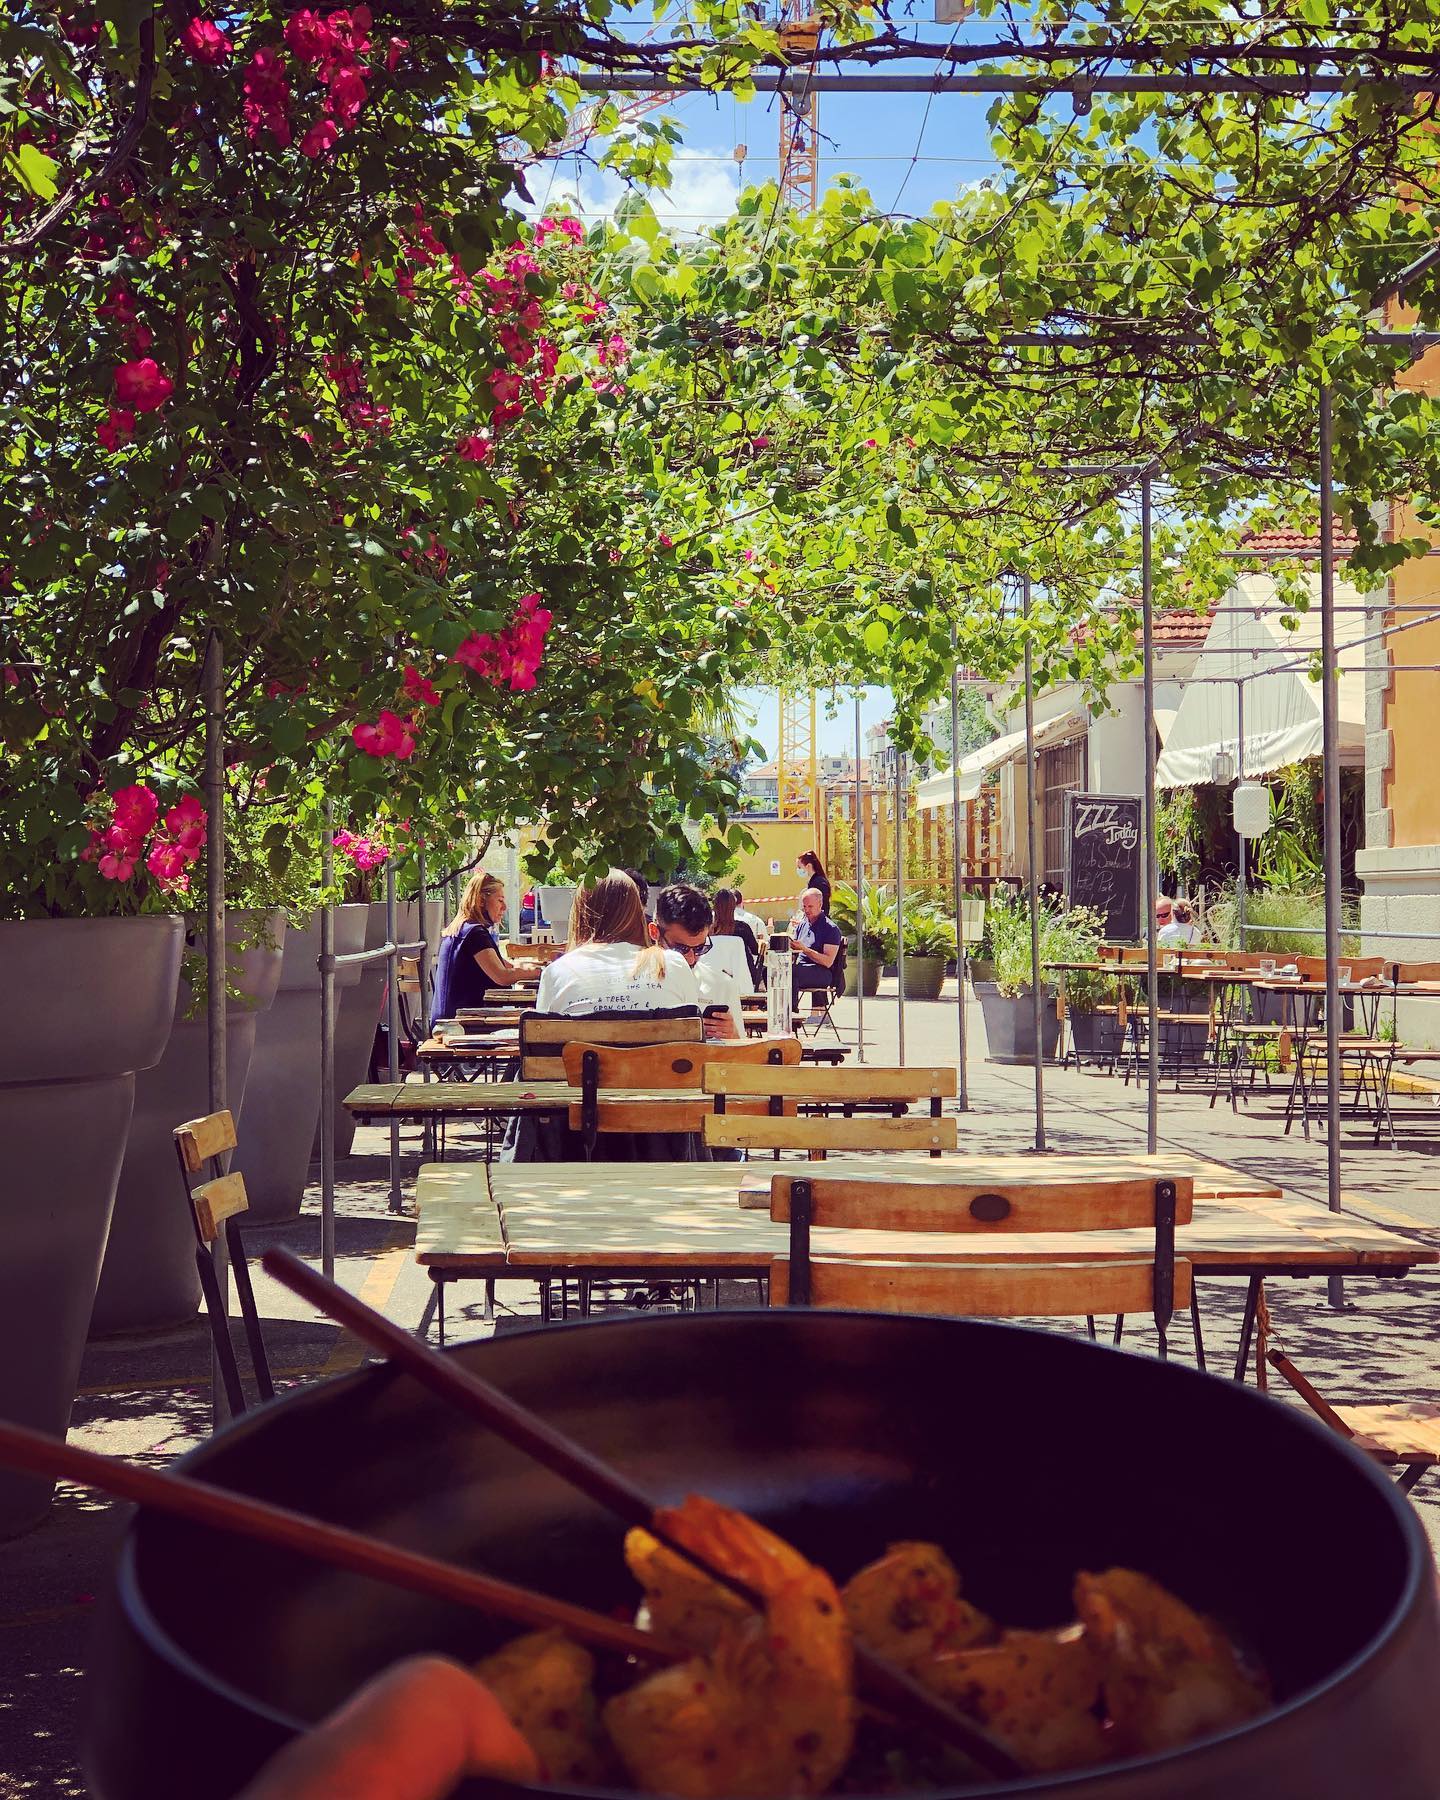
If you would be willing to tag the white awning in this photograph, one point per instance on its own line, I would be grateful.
(939, 790)
(1282, 707)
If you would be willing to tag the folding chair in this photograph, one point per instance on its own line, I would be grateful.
(823, 1091)
(215, 1203)
(1003, 1289)
(1403, 1432)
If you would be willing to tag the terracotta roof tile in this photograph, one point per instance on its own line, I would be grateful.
(1286, 540)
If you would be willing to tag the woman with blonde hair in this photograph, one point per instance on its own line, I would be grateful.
(611, 965)
(471, 961)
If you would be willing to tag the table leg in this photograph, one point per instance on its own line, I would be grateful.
(1195, 1324)
(1247, 1324)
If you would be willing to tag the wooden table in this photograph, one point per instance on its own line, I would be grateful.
(548, 1222)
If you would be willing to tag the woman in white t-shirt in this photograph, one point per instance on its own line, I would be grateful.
(611, 965)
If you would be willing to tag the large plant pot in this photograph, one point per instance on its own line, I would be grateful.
(555, 904)
(823, 1425)
(871, 973)
(924, 977)
(149, 1279)
(282, 1099)
(1010, 1025)
(1094, 1037)
(90, 1001)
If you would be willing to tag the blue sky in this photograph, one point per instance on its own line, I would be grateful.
(908, 150)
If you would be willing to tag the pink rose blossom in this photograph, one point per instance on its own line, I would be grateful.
(390, 735)
(116, 868)
(120, 307)
(347, 96)
(117, 429)
(419, 688)
(394, 50)
(136, 809)
(476, 448)
(319, 140)
(267, 97)
(143, 385)
(505, 386)
(207, 43)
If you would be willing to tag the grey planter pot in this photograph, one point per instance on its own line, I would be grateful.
(872, 977)
(555, 903)
(149, 1280)
(1095, 1037)
(1010, 1025)
(282, 1098)
(93, 1001)
(924, 977)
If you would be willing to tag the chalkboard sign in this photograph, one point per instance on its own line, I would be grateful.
(1102, 858)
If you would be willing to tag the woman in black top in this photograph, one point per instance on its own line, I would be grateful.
(471, 961)
(727, 925)
(812, 872)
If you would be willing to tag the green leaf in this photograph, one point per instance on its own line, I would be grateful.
(35, 170)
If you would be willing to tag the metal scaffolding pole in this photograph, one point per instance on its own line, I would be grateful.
(1241, 847)
(215, 965)
(859, 897)
(1152, 857)
(327, 1049)
(392, 1030)
(1037, 998)
(424, 936)
(900, 900)
(955, 863)
(1330, 721)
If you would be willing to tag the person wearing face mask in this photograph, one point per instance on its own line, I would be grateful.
(812, 875)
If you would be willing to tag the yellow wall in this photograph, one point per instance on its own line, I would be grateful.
(776, 841)
(1412, 787)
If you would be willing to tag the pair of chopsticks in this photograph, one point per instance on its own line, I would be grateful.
(443, 1375)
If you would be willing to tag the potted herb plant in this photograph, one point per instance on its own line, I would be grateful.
(930, 941)
(878, 911)
(1065, 936)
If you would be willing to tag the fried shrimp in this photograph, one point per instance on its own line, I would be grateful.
(1169, 1675)
(1035, 1691)
(768, 1709)
(545, 1685)
(906, 1607)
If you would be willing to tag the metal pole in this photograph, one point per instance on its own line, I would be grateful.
(215, 967)
(327, 1047)
(1152, 849)
(1241, 846)
(900, 900)
(392, 1029)
(859, 895)
(1037, 999)
(1330, 720)
(955, 859)
(424, 936)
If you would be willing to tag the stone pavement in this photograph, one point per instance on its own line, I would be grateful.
(149, 1398)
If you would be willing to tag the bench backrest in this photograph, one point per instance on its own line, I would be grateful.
(543, 1036)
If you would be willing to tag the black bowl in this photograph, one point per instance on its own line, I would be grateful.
(1027, 1455)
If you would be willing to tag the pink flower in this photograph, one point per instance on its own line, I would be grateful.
(476, 448)
(117, 429)
(505, 386)
(480, 652)
(120, 307)
(347, 96)
(418, 688)
(117, 868)
(267, 97)
(207, 43)
(749, 556)
(141, 337)
(390, 735)
(166, 862)
(136, 809)
(506, 415)
(404, 283)
(319, 140)
(394, 50)
(762, 442)
(614, 353)
(666, 542)
(143, 385)
(567, 228)
(460, 280)
(549, 355)
(515, 345)
(309, 38)
(186, 822)
(519, 264)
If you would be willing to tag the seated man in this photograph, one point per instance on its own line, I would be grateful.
(683, 917)
(816, 945)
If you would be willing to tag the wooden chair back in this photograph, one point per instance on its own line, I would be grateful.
(1245, 959)
(1413, 971)
(595, 1067)
(1359, 968)
(832, 1088)
(543, 1036)
(217, 1205)
(1011, 1289)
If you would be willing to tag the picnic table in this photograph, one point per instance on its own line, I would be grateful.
(548, 1222)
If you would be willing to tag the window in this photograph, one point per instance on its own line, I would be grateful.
(1061, 771)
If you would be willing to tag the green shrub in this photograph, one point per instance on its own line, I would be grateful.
(1279, 919)
(1071, 935)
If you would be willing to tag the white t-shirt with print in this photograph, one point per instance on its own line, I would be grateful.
(721, 984)
(601, 978)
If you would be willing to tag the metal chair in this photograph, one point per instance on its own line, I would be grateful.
(213, 1204)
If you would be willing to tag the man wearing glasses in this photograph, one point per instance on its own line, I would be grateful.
(683, 917)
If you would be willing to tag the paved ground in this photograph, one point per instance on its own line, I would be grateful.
(149, 1398)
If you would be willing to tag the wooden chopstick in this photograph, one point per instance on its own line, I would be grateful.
(225, 1510)
(446, 1377)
